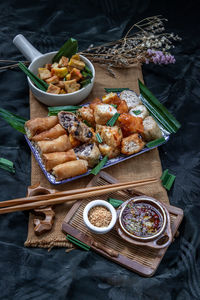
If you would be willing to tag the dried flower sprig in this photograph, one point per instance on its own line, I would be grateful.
(144, 42)
(11, 64)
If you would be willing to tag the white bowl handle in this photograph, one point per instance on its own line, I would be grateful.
(26, 48)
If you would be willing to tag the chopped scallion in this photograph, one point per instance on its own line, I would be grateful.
(99, 139)
(41, 84)
(114, 105)
(13, 120)
(75, 241)
(88, 70)
(53, 111)
(7, 165)
(87, 123)
(115, 202)
(112, 121)
(85, 82)
(100, 165)
(137, 112)
(115, 90)
(155, 142)
(167, 179)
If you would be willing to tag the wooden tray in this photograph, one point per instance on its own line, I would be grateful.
(141, 260)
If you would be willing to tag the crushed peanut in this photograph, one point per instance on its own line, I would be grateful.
(99, 216)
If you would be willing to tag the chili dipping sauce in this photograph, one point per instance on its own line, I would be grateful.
(141, 219)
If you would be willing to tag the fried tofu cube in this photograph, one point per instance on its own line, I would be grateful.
(76, 74)
(130, 124)
(123, 107)
(131, 98)
(87, 114)
(111, 136)
(54, 65)
(94, 103)
(76, 56)
(44, 73)
(132, 144)
(60, 72)
(151, 129)
(71, 86)
(63, 62)
(48, 66)
(52, 89)
(109, 151)
(54, 79)
(111, 98)
(68, 76)
(103, 113)
(139, 111)
(62, 91)
(61, 84)
(76, 64)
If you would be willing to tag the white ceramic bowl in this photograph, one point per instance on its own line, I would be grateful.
(38, 60)
(95, 229)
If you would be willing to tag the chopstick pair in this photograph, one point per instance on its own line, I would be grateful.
(61, 197)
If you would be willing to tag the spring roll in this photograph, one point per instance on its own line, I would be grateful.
(61, 144)
(51, 160)
(70, 169)
(50, 134)
(38, 125)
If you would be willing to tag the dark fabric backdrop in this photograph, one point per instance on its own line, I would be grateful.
(38, 274)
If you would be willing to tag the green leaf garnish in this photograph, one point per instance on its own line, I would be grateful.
(99, 139)
(69, 48)
(87, 69)
(53, 111)
(158, 110)
(112, 121)
(115, 202)
(7, 165)
(100, 165)
(115, 90)
(155, 142)
(137, 112)
(77, 242)
(114, 105)
(85, 82)
(41, 84)
(167, 179)
(87, 123)
(13, 120)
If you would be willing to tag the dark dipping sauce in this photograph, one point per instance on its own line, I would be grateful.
(141, 219)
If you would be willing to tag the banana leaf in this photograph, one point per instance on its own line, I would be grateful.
(69, 48)
(158, 110)
(13, 120)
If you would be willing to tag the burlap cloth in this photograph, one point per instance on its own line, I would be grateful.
(140, 167)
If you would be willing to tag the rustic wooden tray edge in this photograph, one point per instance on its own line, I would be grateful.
(122, 260)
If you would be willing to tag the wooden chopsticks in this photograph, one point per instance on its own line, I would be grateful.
(61, 197)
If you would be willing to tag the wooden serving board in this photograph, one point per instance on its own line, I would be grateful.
(139, 259)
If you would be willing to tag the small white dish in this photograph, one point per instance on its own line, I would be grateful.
(38, 60)
(95, 229)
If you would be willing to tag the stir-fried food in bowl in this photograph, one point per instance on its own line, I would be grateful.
(66, 76)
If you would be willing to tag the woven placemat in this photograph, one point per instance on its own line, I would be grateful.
(139, 167)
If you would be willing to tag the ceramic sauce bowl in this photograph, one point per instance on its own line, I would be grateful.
(144, 221)
(90, 226)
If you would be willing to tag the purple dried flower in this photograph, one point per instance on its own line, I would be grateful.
(158, 57)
